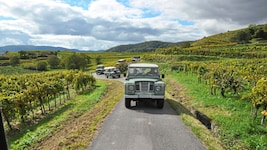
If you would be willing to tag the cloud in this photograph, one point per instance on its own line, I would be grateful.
(9, 37)
(101, 24)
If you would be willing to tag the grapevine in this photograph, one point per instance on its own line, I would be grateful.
(22, 95)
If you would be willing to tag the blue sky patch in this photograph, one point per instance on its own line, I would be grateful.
(149, 14)
(186, 22)
(79, 3)
(6, 18)
(124, 2)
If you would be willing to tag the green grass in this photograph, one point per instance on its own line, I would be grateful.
(10, 70)
(233, 116)
(53, 122)
(202, 133)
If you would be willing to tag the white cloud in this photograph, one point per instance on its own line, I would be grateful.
(10, 41)
(112, 10)
(70, 41)
(101, 24)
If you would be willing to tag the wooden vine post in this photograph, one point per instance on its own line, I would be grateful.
(3, 141)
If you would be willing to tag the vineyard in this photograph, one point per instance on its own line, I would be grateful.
(231, 79)
(25, 96)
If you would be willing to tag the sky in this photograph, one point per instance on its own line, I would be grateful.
(102, 24)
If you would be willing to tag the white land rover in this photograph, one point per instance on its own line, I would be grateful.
(143, 82)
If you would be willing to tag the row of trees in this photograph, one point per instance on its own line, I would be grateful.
(21, 96)
(74, 61)
(244, 36)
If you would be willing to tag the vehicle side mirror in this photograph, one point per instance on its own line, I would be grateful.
(162, 76)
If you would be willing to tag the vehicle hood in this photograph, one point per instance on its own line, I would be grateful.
(142, 79)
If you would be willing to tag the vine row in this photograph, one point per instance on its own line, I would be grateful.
(21, 96)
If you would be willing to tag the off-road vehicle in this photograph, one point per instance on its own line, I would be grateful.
(143, 82)
(100, 69)
(112, 72)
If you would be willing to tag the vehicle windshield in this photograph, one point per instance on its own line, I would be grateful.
(143, 71)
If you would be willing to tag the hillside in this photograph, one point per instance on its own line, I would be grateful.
(253, 33)
(149, 46)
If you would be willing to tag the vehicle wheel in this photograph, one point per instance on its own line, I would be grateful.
(106, 76)
(127, 103)
(119, 76)
(160, 103)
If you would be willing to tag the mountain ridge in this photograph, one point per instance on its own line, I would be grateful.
(15, 48)
(148, 46)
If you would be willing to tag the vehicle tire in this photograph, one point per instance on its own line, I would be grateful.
(106, 76)
(127, 103)
(160, 103)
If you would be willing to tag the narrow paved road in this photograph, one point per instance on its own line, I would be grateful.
(144, 127)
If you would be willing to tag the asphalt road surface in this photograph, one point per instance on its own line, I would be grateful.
(144, 127)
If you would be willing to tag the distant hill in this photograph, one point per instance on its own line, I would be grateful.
(228, 38)
(15, 48)
(149, 46)
(216, 40)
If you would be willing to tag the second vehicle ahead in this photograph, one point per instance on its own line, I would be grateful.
(112, 72)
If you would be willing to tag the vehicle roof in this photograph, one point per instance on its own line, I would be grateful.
(109, 67)
(143, 65)
(121, 60)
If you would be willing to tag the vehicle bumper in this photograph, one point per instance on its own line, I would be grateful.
(139, 97)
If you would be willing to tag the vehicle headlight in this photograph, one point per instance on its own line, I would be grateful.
(158, 88)
(131, 87)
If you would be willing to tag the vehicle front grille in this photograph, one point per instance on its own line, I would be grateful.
(144, 86)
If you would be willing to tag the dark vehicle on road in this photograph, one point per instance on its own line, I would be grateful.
(100, 69)
(136, 58)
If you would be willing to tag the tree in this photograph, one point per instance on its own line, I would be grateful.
(123, 67)
(261, 34)
(41, 66)
(252, 29)
(75, 61)
(243, 36)
(53, 61)
(86, 57)
(98, 60)
(185, 45)
(14, 60)
(23, 54)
